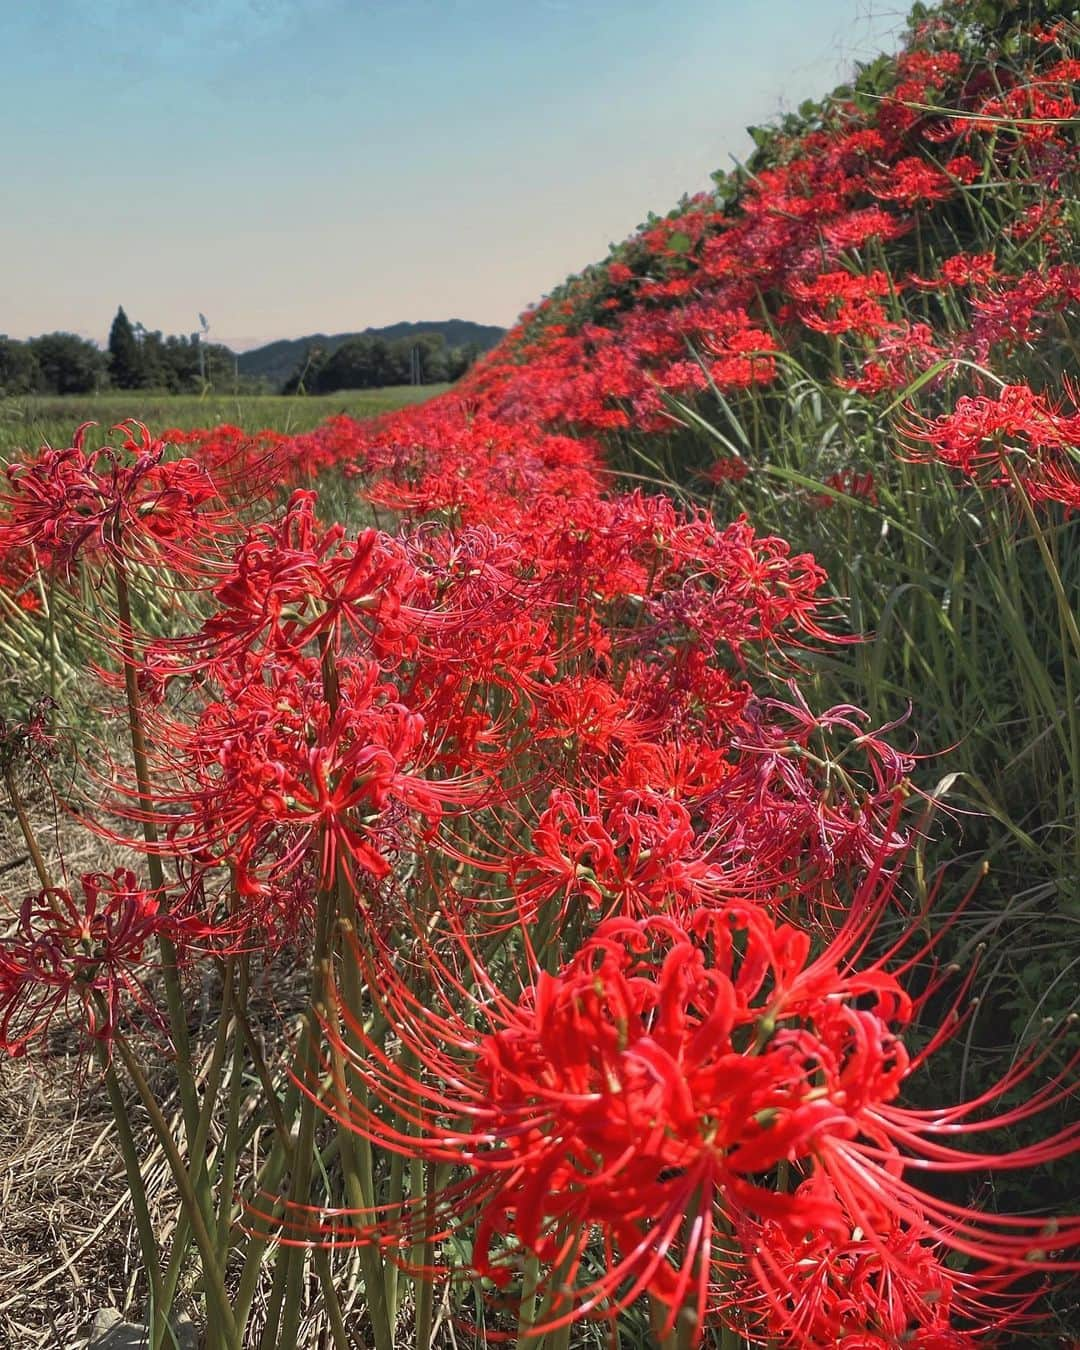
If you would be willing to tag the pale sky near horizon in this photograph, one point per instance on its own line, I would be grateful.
(294, 166)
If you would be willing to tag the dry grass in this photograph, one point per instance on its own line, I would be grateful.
(67, 1245)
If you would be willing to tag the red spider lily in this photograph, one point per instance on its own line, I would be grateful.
(1057, 481)
(105, 502)
(726, 469)
(84, 956)
(902, 351)
(652, 1093)
(1043, 220)
(271, 774)
(630, 852)
(294, 581)
(802, 809)
(913, 181)
(1010, 313)
(588, 714)
(981, 432)
(853, 229)
(961, 269)
(851, 484)
(842, 302)
(823, 1290)
(742, 359)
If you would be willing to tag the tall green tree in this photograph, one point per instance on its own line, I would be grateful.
(125, 357)
(67, 364)
(19, 372)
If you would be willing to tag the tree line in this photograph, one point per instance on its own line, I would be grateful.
(136, 358)
(372, 362)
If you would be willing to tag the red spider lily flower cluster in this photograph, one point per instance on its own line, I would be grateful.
(70, 503)
(81, 955)
(1018, 437)
(821, 1289)
(649, 1095)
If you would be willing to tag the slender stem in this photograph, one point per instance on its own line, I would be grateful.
(291, 1259)
(423, 1182)
(211, 1271)
(27, 829)
(159, 1305)
(202, 1131)
(230, 1147)
(169, 970)
(359, 1190)
(338, 1333)
(180, 1247)
(259, 1241)
(530, 1283)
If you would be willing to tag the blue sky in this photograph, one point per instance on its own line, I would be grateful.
(290, 166)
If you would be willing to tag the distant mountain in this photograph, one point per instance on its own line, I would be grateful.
(277, 360)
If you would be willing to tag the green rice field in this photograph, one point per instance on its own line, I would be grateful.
(29, 422)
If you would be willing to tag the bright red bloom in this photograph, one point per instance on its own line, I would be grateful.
(842, 302)
(822, 1290)
(107, 502)
(272, 775)
(84, 956)
(295, 580)
(981, 433)
(851, 484)
(649, 1091)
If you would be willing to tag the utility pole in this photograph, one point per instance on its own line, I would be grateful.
(204, 329)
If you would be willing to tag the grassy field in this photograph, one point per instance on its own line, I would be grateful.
(26, 423)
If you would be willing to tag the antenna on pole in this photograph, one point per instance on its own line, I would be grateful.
(204, 329)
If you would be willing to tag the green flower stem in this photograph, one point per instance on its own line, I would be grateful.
(148, 1245)
(170, 973)
(530, 1283)
(423, 1182)
(212, 1273)
(357, 1168)
(198, 1158)
(290, 1260)
(231, 1143)
(338, 1333)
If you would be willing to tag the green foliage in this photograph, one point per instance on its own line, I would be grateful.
(27, 422)
(126, 368)
(66, 364)
(278, 362)
(371, 362)
(19, 372)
